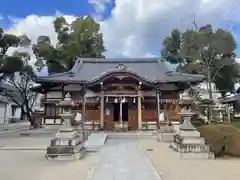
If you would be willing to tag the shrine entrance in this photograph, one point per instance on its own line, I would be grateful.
(120, 112)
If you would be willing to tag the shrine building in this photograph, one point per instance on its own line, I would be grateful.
(117, 91)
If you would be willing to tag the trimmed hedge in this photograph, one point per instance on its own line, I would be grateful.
(232, 142)
(233, 145)
(214, 138)
(223, 139)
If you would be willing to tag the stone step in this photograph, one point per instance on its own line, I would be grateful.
(92, 148)
(165, 137)
(197, 148)
(22, 148)
(95, 141)
(67, 157)
(134, 134)
(200, 155)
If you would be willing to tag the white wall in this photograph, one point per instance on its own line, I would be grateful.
(54, 94)
(8, 112)
(37, 103)
(203, 85)
(2, 112)
(203, 92)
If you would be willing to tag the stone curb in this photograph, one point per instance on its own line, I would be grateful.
(21, 148)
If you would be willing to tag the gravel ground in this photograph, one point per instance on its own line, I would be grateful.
(171, 167)
(29, 165)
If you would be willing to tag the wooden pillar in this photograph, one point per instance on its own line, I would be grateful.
(120, 114)
(158, 106)
(45, 107)
(84, 104)
(166, 110)
(102, 111)
(139, 111)
(63, 95)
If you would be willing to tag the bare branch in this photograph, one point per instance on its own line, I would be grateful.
(216, 73)
(33, 100)
(12, 98)
(194, 21)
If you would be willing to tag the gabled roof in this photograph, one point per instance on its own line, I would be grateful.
(232, 99)
(150, 70)
(11, 90)
(4, 99)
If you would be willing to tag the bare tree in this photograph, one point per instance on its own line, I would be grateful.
(22, 81)
(203, 51)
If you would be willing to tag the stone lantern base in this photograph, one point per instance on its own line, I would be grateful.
(188, 142)
(66, 145)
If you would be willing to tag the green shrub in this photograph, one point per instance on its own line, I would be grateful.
(233, 145)
(214, 137)
(228, 129)
(222, 138)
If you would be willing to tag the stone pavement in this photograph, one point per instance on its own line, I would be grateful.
(123, 159)
(170, 166)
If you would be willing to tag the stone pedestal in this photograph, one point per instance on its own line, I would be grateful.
(165, 133)
(188, 142)
(67, 143)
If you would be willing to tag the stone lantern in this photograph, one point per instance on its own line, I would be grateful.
(186, 115)
(187, 139)
(66, 144)
(65, 108)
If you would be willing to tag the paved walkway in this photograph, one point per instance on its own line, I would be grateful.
(123, 159)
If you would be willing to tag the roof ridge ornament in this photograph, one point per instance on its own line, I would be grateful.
(67, 96)
(71, 74)
(169, 73)
(121, 66)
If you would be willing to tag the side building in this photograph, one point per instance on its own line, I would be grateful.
(110, 91)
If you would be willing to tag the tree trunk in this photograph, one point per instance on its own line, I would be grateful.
(27, 111)
(30, 119)
(29, 115)
(209, 80)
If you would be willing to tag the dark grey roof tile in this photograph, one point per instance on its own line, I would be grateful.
(235, 98)
(150, 69)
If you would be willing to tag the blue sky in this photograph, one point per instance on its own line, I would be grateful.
(22, 8)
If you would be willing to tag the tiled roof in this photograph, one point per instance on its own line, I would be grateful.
(151, 70)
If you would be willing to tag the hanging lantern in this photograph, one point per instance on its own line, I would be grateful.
(124, 100)
(115, 100)
(106, 99)
(134, 100)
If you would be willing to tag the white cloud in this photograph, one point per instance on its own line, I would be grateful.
(137, 28)
(1, 17)
(99, 5)
(34, 26)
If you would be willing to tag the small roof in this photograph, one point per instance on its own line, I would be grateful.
(4, 99)
(232, 99)
(92, 70)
